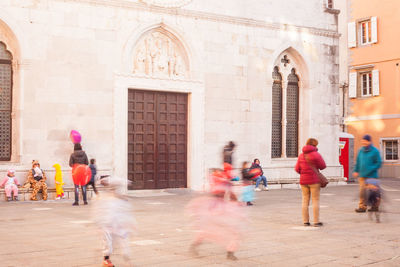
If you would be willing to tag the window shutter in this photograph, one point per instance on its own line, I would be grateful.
(375, 82)
(351, 34)
(374, 30)
(353, 84)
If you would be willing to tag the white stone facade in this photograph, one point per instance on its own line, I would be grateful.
(74, 61)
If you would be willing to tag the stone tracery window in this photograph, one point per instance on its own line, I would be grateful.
(5, 102)
(285, 115)
(292, 115)
(276, 138)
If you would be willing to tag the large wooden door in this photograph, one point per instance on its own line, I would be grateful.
(157, 140)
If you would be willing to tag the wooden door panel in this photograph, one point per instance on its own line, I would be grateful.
(157, 139)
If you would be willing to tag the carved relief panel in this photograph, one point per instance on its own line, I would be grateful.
(159, 54)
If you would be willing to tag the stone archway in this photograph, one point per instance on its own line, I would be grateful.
(158, 63)
(289, 103)
(10, 85)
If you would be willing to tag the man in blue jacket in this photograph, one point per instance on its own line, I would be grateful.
(367, 165)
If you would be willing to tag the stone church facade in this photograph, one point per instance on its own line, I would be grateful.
(158, 87)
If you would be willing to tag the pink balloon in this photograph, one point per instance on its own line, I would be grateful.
(75, 137)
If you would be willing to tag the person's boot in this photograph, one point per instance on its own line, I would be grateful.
(231, 256)
(359, 210)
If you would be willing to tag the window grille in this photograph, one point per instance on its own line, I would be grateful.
(391, 149)
(292, 115)
(276, 140)
(5, 102)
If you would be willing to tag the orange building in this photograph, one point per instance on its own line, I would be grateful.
(374, 78)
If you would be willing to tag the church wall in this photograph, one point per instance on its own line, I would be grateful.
(75, 61)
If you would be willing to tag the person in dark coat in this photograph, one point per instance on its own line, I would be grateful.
(307, 164)
(261, 177)
(92, 181)
(79, 157)
(228, 151)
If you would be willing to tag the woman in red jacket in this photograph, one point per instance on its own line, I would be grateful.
(309, 180)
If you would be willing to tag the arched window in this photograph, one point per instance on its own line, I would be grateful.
(5, 102)
(292, 115)
(276, 138)
(285, 115)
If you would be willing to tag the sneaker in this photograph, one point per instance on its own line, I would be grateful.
(265, 188)
(108, 263)
(318, 224)
(15, 198)
(306, 224)
(75, 204)
(62, 196)
(257, 189)
(85, 203)
(372, 209)
(249, 203)
(9, 198)
(359, 210)
(58, 197)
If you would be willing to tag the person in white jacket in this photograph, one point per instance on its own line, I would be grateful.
(113, 214)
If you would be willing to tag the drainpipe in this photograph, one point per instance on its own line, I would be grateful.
(344, 87)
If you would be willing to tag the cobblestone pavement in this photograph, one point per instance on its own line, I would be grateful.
(56, 234)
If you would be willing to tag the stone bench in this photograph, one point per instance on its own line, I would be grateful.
(24, 194)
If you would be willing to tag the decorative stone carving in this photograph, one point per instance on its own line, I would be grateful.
(167, 3)
(158, 55)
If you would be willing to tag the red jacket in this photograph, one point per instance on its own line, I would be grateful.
(307, 175)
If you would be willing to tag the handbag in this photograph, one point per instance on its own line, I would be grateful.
(322, 179)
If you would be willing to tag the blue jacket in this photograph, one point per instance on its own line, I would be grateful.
(368, 162)
(93, 168)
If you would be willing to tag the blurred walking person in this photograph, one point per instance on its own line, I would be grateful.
(367, 166)
(217, 219)
(113, 214)
(308, 163)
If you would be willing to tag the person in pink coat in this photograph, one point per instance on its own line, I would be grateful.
(10, 184)
(307, 164)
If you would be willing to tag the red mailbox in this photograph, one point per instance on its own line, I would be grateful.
(346, 154)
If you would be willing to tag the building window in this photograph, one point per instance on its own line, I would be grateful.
(285, 115)
(391, 149)
(276, 138)
(5, 102)
(292, 115)
(365, 31)
(366, 83)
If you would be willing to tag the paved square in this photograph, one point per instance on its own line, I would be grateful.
(57, 234)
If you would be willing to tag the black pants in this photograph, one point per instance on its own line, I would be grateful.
(83, 193)
(92, 183)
